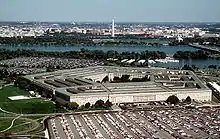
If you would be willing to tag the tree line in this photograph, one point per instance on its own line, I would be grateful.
(59, 39)
(45, 40)
(82, 54)
(129, 43)
(191, 55)
(99, 104)
(201, 41)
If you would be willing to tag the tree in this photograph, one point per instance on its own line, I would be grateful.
(87, 105)
(116, 79)
(108, 104)
(58, 105)
(8, 80)
(125, 78)
(173, 100)
(72, 105)
(188, 100)
(99, 103)
(212, 66)
(82, 107)
(22, 83)
(105, 79)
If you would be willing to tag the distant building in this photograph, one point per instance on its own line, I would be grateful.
(113, 28)
(179, 39)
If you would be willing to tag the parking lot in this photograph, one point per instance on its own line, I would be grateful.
(168, 124)
(44, 62)
(30, 65)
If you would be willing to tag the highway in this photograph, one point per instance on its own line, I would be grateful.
(208, 48)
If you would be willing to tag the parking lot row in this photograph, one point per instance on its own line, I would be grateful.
(20, 64)
(171, 124)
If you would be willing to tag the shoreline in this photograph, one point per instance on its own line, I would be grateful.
(95, 45)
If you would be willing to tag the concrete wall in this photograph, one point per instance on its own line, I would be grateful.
(197, 95)
(202, 95)
(98, 77)
(82, 100)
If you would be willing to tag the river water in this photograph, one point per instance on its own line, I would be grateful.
(170, 50)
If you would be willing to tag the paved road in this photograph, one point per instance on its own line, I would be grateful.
(46, 133)
(215, 49)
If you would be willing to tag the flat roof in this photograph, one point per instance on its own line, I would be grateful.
(75, 82)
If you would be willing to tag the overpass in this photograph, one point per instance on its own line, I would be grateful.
(207, 48)
(215, 89)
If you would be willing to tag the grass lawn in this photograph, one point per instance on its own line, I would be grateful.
(37, 130)
(31, 106)
(8, 91)
(5, 123)
(34, 117)
(21, 126)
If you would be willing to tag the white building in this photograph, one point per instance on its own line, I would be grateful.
(113, 28)
(85, 85)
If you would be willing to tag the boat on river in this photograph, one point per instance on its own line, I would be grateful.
(167, 60)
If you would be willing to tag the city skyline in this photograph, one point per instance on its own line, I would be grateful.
(104, 11)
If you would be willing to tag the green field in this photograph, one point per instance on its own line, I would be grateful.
(8, 91)
(5, 123)
(32, 106)
(24, 124)
(34, 117)
(21, 126)
(18, 126)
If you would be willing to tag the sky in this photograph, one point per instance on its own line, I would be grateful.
(106, 10)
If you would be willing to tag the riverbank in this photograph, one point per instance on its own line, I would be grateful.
(103, 53)
(64, 48)
(61, 39)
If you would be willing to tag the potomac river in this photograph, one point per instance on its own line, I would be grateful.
(169, 50)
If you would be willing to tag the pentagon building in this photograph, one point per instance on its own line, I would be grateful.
(119, 84)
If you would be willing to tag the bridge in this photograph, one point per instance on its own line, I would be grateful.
(207, 48)
(215, 89)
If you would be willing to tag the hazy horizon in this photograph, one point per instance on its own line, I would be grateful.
(110, 21)
(102, 11)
